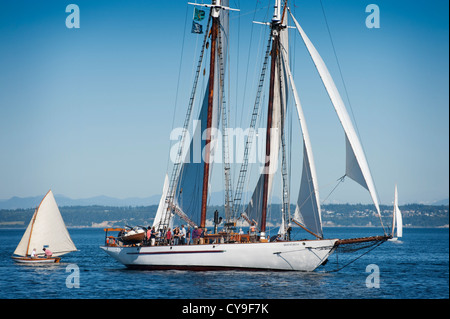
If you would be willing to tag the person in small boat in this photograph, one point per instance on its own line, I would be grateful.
(33, 253)
(47, 252)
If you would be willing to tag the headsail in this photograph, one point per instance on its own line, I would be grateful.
(161, 212)
(47, 229)
(307, 210)
(357, 167)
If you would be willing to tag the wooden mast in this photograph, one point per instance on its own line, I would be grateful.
(214, 28)
(273, 57)
(33, 220)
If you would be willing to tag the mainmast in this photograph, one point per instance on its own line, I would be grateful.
(215, 13)
(275, 26)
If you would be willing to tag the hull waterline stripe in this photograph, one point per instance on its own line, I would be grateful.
(177, 252)
(200, 268)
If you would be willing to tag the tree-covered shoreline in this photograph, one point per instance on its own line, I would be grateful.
(358, 215)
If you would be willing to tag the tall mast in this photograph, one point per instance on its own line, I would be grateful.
(274, 55)
(33, 220)
(215, 12)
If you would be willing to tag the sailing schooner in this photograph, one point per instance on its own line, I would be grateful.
(186, 191)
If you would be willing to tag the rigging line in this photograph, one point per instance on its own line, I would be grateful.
(340, 180)
(339, 66)
(311, 189)
(176, 170)
(178, 80)
(248, 65)
(283, 92)
(352, 261)
(344, 85)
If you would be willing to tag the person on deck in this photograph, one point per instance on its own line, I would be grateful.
(153, 236)
(33, 253)
(196, 235)
(176, 236)
(253, 233)
(188, 236)
(169, 237)
(182, 235)
(203, 239)
(148, 235)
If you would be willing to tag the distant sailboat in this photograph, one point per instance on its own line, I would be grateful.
(45, 230)
(397, 220)
(185, 193)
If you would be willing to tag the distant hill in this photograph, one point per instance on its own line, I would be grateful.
(32, 202)
(441, 202)
(15, 202)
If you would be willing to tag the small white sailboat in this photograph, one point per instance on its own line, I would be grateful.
(397, 220)
(45, 230)
(185, 194)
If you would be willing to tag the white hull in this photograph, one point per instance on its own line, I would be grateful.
(304, 255)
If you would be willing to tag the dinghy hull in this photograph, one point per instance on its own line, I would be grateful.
(37, 260)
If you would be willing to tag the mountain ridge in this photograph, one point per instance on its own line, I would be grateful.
(216, 198)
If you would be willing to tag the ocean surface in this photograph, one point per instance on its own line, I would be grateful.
(415, 267)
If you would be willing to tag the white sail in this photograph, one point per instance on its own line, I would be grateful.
(22, 248)
(397, 216)
(46, 229)
(307, 210)
(162, 207)
(357, 167)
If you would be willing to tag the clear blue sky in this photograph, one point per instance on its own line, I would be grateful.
(89, 111)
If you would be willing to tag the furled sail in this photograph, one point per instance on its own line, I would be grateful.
(188, 196)
(46, 229)
(255, 206)
(188, 193)
(307, 210)
(357, 167)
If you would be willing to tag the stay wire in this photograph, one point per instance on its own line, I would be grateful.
(352, 261)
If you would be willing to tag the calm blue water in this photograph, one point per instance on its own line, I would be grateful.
(415, 267)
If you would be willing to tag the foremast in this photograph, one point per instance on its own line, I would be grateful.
(275, 34)
(194, 212)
